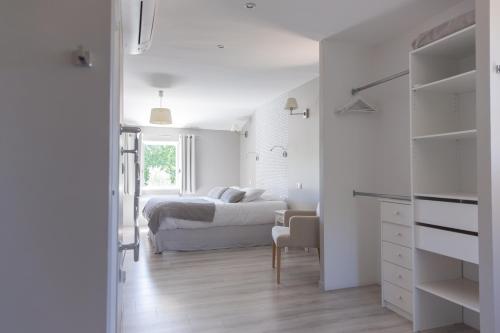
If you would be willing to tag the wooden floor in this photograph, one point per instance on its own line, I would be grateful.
(235, 291)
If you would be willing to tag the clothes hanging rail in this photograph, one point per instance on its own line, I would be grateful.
(354, 91)
(381, 195)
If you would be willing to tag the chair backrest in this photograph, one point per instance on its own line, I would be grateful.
(304, 231)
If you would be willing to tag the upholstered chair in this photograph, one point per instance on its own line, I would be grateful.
(294, 212)
(299, 231)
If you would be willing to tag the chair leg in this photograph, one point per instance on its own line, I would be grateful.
(319, 254)
(278, 265)
(274, 254)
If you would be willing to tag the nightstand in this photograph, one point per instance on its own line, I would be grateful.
(279, 217)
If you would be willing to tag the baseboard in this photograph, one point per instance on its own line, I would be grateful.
(321, 285)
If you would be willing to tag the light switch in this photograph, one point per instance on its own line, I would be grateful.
(299, 186)
(82, 57)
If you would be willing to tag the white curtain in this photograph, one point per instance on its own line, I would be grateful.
(188, 163)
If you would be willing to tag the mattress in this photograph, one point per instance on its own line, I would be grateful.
(230, 214)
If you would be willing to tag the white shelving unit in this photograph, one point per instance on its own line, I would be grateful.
(449, 135)
(457, 84)
(451, 196)
(463, 292)
(458, 43)
(443, 140)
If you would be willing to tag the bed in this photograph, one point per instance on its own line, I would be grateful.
(241, 224)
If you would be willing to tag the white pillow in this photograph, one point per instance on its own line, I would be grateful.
(252, 194)
(270, 197)
(216, 192)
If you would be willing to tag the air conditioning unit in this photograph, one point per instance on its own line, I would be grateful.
(138, 19)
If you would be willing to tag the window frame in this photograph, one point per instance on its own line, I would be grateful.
(168, 189)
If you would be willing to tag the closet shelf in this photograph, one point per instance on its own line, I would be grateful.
(463, 292)
(468, 134)
(457, 44)
(457, 84)
(453, 196)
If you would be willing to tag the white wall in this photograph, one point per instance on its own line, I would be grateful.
(303, 148)
(248, 154)
(366, 152)
(54, 189)
(348, 161)
(271, 125)
(217, 155)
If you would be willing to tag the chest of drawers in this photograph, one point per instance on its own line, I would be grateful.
(397, 256)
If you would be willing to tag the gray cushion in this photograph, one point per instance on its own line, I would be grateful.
(216, 192)
(232, 195)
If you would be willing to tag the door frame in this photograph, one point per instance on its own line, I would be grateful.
(114, 167)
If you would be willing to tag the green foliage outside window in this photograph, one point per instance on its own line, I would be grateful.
(159, 165)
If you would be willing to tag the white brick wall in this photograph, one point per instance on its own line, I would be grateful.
(271, 172)
(271, 125)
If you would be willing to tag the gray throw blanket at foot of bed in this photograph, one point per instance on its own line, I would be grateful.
(182, 208)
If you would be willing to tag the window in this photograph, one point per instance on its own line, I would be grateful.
(159, 165)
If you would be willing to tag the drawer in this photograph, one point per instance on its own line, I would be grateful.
(397, 275)
(395, 213)
(396, 233)
(397, 254)
(398, 296)
(447, 214)
(448, 243)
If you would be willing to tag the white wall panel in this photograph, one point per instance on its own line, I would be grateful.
(271, 125)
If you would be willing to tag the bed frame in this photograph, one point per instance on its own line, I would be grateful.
(212, 238)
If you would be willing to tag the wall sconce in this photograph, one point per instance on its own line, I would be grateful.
(292, 105)
(284, 152)
(257, 157)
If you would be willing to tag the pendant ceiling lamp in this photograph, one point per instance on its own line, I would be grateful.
(161, 115)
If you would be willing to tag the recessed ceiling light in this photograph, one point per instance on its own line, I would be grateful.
(250, 5)
(220, 46)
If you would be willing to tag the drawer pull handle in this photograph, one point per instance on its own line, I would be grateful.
(400, 297)
(397, 213)
(400, 234)
(400, 276)
(400, 255)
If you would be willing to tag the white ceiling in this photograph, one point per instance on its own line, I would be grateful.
(268, 50)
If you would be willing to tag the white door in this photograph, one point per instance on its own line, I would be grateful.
(115, 258)
(121, 254)
(122, 150)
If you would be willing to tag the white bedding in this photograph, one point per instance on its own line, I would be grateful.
(235, 214)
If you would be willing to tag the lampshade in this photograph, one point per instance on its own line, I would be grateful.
(160, 116)
(291, 104)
